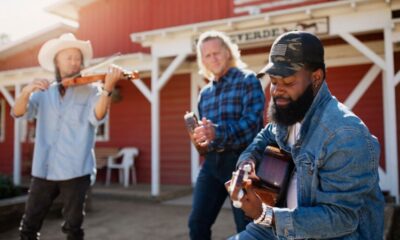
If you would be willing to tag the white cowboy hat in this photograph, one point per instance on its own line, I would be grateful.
(49, 50)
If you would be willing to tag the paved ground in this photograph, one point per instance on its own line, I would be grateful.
(118, 213)
(119, 218)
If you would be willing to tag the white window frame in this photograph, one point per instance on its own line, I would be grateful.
(106, 136)
(31, 133)
(2, 120)
(26, 134)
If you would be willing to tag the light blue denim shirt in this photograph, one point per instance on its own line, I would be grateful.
(337, 161)
(65, 132)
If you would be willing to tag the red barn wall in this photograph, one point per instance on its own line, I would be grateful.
(6, 147)
(108, 23)
(175, 142)
(27, 58)
(342, 81)
(130, 125)
(118, 19)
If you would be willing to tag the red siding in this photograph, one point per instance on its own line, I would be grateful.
(6, 147)
(130, 125)
(175, 142)
(118, 19)
(27, 58)
(342, 81)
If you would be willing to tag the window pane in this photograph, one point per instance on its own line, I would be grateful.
(31, 131)
(102, 134)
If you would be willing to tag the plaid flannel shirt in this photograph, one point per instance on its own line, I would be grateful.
(235, 105)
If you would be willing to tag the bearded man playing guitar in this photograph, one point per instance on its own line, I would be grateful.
(334, 190)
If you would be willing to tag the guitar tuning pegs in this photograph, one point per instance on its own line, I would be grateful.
(247, 168)
(237, 204)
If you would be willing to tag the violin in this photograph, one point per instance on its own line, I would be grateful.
(80, 80)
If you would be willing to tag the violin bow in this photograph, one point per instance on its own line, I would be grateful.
(106, 61)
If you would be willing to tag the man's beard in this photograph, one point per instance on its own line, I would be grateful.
(294, 111)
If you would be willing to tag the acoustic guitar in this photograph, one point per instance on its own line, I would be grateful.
(271, 180)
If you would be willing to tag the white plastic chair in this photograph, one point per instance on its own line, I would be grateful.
(128, 155)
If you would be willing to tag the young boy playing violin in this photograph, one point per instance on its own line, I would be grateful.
(66, 122)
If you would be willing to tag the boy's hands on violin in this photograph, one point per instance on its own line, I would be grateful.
(115, 73)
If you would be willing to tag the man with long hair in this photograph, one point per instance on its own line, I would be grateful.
(231, 110)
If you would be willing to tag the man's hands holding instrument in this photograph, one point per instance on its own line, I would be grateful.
(38, 84)
(242, 191)
(236, 186)
(115, 73)
(204, 134)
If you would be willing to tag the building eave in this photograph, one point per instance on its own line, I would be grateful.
(36, 38)
(68, 8)
(242, 22)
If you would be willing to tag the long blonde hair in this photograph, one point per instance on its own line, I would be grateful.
(235, 60)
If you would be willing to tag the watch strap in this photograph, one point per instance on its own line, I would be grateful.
(266, 216)
(106, 92)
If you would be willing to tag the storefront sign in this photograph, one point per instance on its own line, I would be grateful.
(317, 26)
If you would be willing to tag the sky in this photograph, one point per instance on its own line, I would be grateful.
(20, 18)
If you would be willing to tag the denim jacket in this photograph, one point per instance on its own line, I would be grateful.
(336, 160)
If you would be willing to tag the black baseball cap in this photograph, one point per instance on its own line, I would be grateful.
(290, 51)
